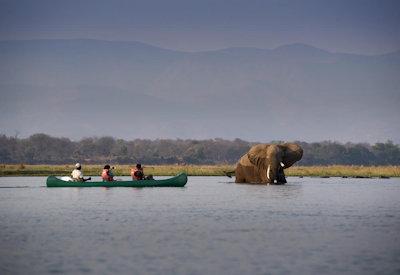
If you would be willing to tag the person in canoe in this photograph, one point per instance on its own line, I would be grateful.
(77, 174)
(107, 174)
(138, 174)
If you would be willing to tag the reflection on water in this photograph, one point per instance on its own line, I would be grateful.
(211, 226)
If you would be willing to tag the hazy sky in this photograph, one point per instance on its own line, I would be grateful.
(357, 26)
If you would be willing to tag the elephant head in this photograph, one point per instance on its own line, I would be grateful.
(269, 159)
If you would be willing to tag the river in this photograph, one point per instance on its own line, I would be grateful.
(211, 226)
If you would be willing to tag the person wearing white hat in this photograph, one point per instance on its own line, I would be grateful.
(77, 174)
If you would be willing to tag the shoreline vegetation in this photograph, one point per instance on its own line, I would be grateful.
(202, 170)
(45, 149)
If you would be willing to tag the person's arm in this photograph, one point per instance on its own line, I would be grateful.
(80, 175)
(81, 178)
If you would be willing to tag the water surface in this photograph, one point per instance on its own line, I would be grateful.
(211, 226)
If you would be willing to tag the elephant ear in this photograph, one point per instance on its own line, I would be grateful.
(258, 156)
(291, 153)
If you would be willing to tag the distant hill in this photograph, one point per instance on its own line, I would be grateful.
(80, 88)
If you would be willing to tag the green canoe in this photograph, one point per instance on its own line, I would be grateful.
(177, 181)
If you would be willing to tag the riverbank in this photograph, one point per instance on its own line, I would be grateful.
(202, 170)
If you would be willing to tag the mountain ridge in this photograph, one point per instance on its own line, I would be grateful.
(294, 92)
(288, 46)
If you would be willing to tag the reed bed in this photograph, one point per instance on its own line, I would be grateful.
(344, 171)
(201, 170)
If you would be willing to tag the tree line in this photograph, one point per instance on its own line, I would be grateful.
(45, 149)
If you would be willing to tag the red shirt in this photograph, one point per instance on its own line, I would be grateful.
(106, 175)
(137, 174)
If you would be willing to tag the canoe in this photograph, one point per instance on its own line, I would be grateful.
(177, 181)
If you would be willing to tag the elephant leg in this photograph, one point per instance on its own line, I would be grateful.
(281, 176)
(239, 178)
(239, 175)
(262, 177)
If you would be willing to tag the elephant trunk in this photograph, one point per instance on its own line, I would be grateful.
(273, 163)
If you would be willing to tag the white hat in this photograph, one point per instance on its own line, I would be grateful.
(78, 165)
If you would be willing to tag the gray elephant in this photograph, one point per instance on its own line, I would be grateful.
(264, 163)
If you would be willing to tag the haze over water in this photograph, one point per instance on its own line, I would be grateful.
(307, 70)
(211, 226)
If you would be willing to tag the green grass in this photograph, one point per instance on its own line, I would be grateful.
(344, 171)
(201, 170)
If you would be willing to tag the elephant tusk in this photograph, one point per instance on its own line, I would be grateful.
(268, 170)
(282, 164)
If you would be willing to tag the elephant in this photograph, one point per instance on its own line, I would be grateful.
(264, 163)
